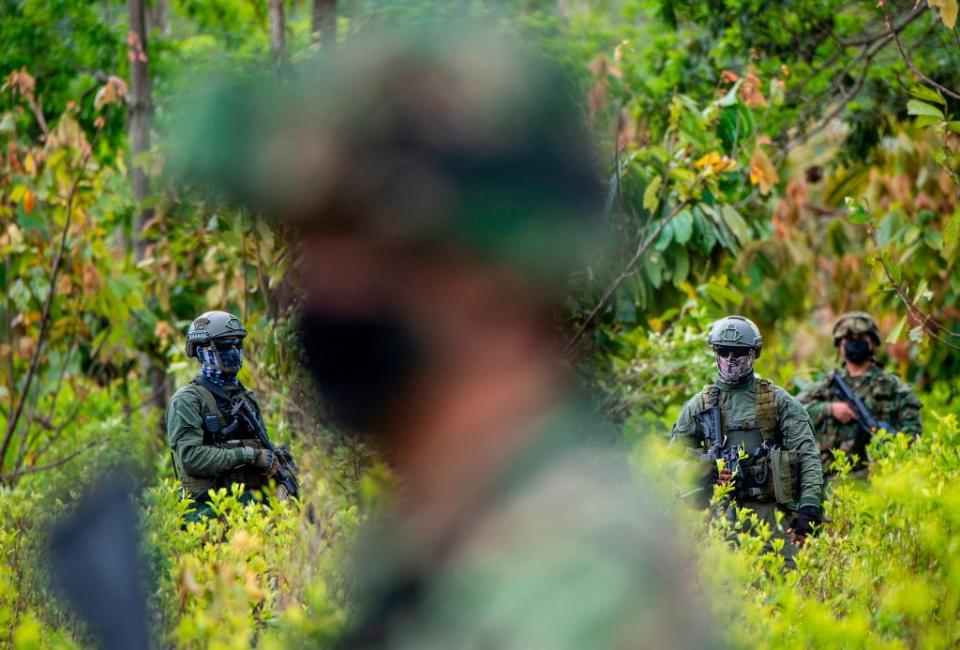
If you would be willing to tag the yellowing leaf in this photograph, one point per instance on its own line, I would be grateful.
(951, 236)
(762, 171)
(948, 11)
(651, 197)
(894, 336)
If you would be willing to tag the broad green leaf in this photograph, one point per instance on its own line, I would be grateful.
(916, 107)
(681, 266)
(666, 236)
(737, 225)
(654, 268)
(723, 295)
(954, 126)
(897, 331)
(682, 227)
(929, 94)
(923, 121)
(651, 197)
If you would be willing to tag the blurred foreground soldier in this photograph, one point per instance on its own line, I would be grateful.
(853, 402)
(442, 192)
(214, 426)
(762, 434)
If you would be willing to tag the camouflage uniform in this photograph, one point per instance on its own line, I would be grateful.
(886, 397)
(565, 551)
(754, 412)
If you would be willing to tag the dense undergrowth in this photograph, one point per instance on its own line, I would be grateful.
(882, 573)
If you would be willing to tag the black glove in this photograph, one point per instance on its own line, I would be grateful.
(806, 518)
(265, 460)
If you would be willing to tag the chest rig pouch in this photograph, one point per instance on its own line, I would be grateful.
(225, 432)
(770, 472)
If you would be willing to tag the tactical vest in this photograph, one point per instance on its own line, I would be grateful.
(219, 432)
(775, 476)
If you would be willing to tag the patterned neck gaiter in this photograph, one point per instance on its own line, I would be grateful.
(736, 370)
(220, 366)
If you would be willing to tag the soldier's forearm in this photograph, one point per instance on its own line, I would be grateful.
(204, 460)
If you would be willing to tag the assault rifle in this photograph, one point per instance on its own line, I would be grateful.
(284, 475)
(865, 420)
(710, 425)
(746, 482)
(868, 424)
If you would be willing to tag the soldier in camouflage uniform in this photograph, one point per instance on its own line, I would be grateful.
(782, 468)
(442, 193)
(212, 448)
(889, 400)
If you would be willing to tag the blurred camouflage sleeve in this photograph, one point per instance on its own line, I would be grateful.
(797, 431)
(579, 559)
(185, 436)
(815, 398)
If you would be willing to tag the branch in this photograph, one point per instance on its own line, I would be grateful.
(929, 324)
(6, 479)
(908, 59)
(899, 27)
(45, 317)
(624, 274)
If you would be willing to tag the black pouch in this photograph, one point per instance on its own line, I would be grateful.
(211, 422)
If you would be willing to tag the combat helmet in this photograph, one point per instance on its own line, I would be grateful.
(735, 332)
(212, 325)
(856, 322)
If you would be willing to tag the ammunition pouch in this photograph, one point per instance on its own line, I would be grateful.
(785, 475)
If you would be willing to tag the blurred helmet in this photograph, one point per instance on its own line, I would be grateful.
(447, 137)
(735, 332)
(856, 322)
(212, 325)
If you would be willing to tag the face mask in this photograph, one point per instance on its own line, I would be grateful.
(220, 363)
(359, 363)
(856, 350)
(734, 370)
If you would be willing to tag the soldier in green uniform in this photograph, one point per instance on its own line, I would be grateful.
(213, 448)
(889, 400)
(442, 192)
(781, 469)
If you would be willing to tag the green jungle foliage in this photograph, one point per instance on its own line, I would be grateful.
(788, 161)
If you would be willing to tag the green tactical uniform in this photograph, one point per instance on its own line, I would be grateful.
(205, 458)
(886, 397)
(564, 551)
(788, 425)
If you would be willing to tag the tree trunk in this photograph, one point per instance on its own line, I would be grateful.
(277, 33)
(157, 12)
(141, 121)
(141, 115)
(324, 23)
